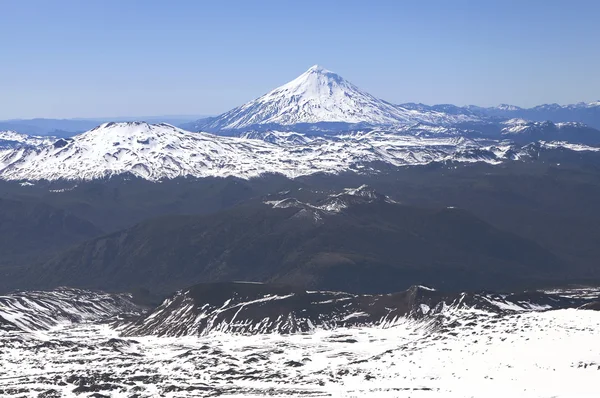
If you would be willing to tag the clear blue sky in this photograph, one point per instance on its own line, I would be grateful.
(88, 58)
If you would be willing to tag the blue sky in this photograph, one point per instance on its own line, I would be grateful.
(88, 58)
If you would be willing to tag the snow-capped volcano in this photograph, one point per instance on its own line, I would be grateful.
(318, 96)
(150, 151)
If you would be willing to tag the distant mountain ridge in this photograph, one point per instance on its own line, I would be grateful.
(69, 127)
(321, 99)
(357, 241)
(316, 123)
(160, 151)
(12, 139)
(582, 112)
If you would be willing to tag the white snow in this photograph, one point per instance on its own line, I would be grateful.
(529, 355)
(568, 145)
(507, 107)
(453, 351)
(30, 311)
(319, 95)
(24, 139)
(158, 151)
(161, 151)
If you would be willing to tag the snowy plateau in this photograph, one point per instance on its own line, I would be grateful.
(77, 343)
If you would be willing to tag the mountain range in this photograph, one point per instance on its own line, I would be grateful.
(12, 139)
(156, 152)
(69, 127)
(317, 123)
(582, 112)
(357, 240)
(320, 96)
(322, 100)
(162, 151)
(95, 209)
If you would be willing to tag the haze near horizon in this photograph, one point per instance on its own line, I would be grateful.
(71, 59)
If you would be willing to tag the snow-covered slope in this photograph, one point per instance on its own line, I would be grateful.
(579, 105)
(145, 150)
(11, 139)
(526, 131)
(508, 346)
(42, 310)
(278, 137)
(335, 203)
(162, 151)
(353, 196)
(583, 112)
(256, 308)
(521, 126)
(320, 96)
(542, 107)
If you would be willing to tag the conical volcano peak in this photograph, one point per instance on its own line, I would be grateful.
(317, 95)
(317, 87)
(317, 69)
(317, 73)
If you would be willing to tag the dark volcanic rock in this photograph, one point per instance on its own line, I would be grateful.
(6, 325)
(50, 394)
(595, 306)
(251, 308)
